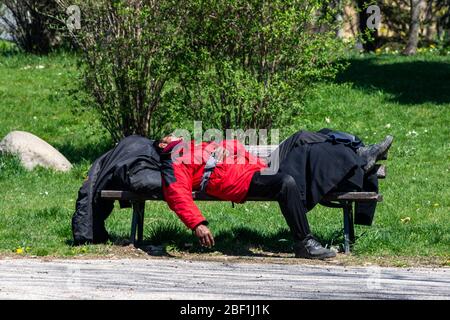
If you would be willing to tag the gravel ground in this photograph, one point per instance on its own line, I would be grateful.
(163, 278)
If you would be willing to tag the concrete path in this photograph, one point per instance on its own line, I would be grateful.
(162, 278)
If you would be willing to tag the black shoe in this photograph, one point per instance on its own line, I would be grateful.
(310, 248)
(375, 152)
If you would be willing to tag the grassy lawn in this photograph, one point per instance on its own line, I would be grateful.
(377, 95)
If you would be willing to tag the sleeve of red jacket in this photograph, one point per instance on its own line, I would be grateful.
(178, 196)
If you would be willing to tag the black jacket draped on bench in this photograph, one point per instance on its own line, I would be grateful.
(320, 165)
(317, 164)
(132, 165)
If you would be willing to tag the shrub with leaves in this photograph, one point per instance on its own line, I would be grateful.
(254, 60)
(150, 64)
(130, 50)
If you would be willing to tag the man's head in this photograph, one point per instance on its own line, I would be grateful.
(164, 142)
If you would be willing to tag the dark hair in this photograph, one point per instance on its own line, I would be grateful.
(156, 145)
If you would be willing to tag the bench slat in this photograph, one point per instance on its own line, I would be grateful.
(262, 151)
(357, 196)
(131, 196)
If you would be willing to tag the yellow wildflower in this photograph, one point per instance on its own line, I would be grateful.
(405, 220)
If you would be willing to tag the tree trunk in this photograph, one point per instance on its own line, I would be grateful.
(339, 18)
(413, 38)
(430, 21)
(443, 24)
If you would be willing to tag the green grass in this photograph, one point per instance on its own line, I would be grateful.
(377, 95)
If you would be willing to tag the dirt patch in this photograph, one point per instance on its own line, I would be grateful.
(257, 256)
(340, 260)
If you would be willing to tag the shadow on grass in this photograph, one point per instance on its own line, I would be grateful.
(410, 82)
(235, 242)
(85, 152)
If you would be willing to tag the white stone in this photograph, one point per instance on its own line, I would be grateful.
(33, 151)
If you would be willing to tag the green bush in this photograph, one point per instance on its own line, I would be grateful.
(253, 61)
(130, 51)
(153, 65)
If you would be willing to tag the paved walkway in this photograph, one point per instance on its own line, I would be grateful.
(179, 279)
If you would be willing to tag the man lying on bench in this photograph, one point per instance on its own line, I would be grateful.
(311, 164)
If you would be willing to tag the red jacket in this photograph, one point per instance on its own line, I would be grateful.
(182, 169)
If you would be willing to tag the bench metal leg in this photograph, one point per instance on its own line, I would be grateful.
(349, 228)
(137, 222)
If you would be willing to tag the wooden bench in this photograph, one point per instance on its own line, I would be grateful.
(344, 200)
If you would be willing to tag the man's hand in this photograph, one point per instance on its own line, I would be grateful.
(204, 235)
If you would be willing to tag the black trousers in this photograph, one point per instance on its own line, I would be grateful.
(283, 188)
